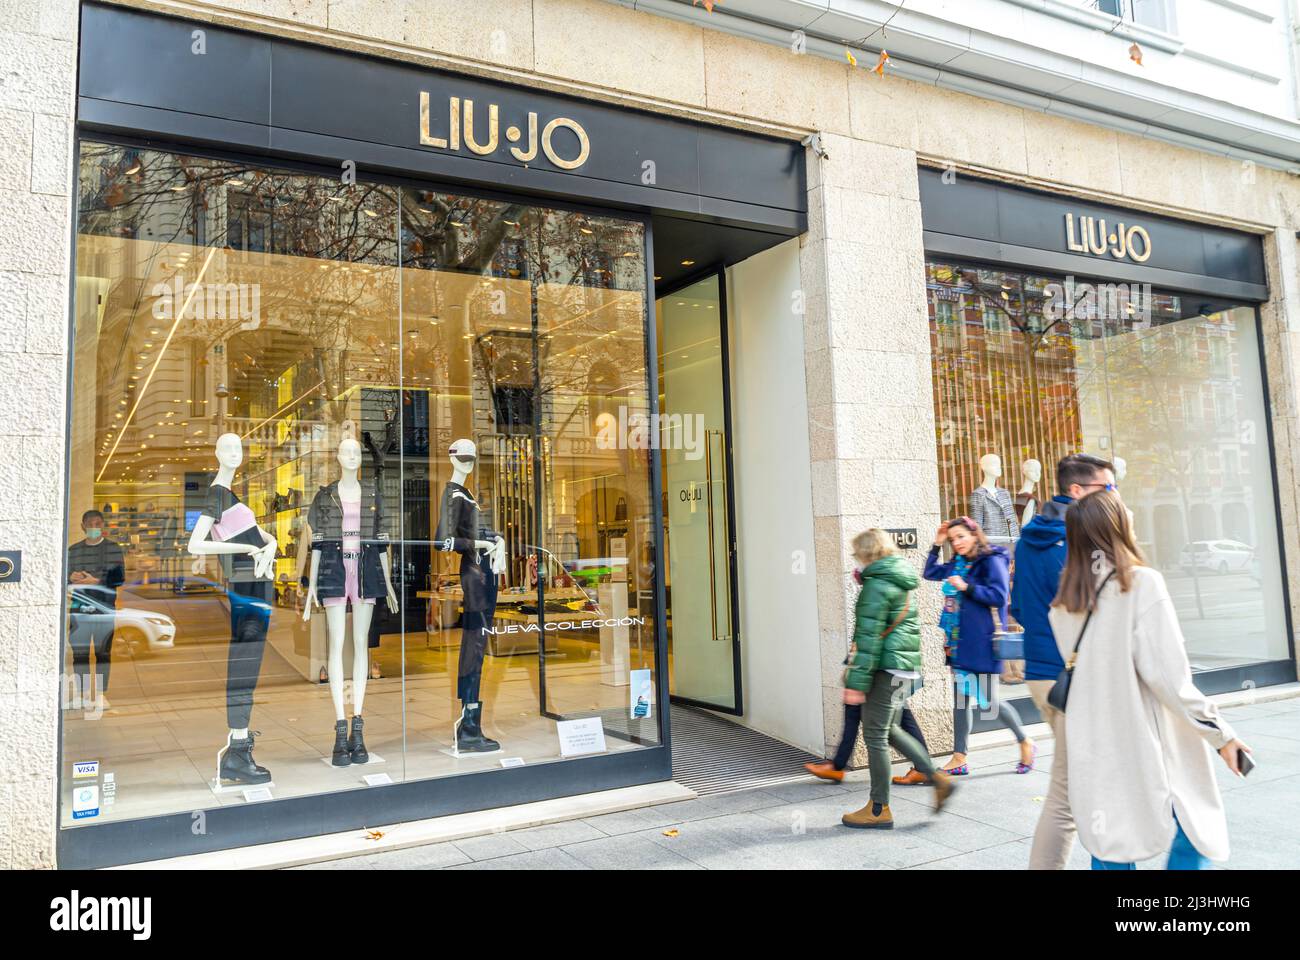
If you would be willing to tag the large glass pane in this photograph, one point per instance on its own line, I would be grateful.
(233, 312)
(1029, 368)
(1181, 402)
(525, 333)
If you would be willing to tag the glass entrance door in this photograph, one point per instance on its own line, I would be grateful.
(703, 643)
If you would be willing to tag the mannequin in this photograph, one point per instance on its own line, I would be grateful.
(459, 531)
(1031, 472)
(991, 506)
(226, 527)
(355, 572)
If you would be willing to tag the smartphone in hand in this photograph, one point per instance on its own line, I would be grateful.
(1244, 763)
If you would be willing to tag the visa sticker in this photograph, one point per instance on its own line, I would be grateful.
(85, 769)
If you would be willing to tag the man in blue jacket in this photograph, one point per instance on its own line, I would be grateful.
(1040, 557)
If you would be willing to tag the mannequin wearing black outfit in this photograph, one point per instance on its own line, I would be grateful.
(227, 528)
(459, 531)
(250, 612)
(458, 528)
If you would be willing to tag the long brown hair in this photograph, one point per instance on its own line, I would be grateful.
(1097, 528)
(982, 546)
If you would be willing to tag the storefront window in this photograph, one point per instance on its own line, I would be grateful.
(286, 386)
(1168, 387)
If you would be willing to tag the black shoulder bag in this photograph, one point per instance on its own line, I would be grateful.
(1060, 691)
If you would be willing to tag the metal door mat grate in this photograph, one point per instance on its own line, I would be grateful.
(712, 755)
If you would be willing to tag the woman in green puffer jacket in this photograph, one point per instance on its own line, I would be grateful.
(884, 668)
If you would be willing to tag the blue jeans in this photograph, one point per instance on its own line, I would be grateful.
(1182, 856)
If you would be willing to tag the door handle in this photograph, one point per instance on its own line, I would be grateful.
(708, 509)
(713, 573)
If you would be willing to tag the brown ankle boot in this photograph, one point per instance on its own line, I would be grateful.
(874, 816)
(944, 787)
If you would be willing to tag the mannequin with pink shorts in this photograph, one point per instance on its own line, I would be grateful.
(349, 746)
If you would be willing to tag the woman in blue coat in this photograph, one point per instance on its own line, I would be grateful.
(975, 585)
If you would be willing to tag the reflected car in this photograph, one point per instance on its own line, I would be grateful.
(1218, 556)
(141, 630)
(200, 608)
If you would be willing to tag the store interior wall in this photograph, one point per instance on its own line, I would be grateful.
(776, 582)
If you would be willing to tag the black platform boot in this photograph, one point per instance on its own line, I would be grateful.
(341, 756)
(237, 763)
(469, 731)
(356, 745)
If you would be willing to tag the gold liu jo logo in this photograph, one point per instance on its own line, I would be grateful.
(1122, 243)
(461, 128)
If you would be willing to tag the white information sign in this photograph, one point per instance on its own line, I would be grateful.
(580, 737)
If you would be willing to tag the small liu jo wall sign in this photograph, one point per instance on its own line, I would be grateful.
(11, 566)
(905, 538)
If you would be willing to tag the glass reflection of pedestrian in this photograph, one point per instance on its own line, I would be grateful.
(94, 562)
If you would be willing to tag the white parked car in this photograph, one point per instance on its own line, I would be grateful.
(1218, 556)
(141, 630)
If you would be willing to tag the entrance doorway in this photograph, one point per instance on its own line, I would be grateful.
(699, 535)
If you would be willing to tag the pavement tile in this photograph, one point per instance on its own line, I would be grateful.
(490, 846)
(1012, 855)
(746, 841)
(812, 790)
(741, 801)
(1256, 711)
(552, 858)
(431, 857)
(628, 853)
(1283, 726)
(555, 834)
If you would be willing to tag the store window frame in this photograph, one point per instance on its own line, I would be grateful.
(227, 827)
(1225, 679)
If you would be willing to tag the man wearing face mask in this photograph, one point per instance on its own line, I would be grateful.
(96, 563)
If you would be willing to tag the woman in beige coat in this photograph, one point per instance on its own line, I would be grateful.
(1141, 737)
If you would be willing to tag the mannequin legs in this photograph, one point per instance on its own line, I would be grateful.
(473, 643)
(362, 614)
(250, 615)
(468, 728)
(335, 620)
